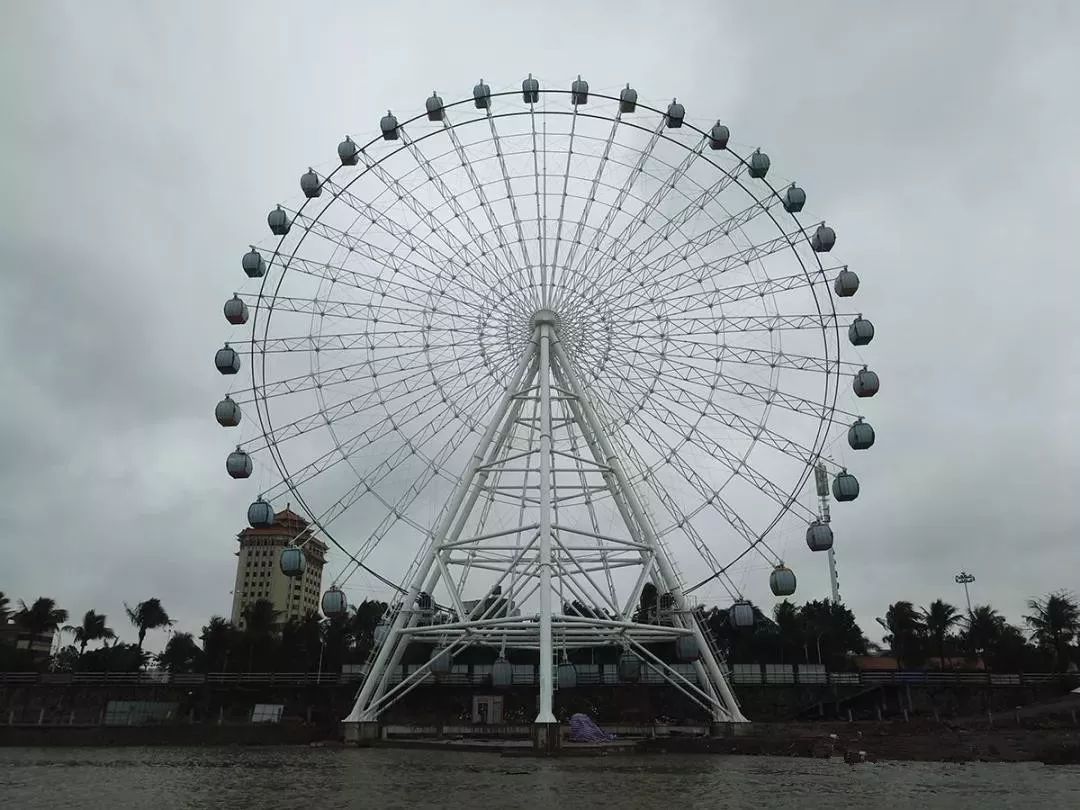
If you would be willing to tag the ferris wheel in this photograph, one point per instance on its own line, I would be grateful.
(550, 345)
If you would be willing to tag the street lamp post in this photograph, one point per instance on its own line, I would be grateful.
(965, 579)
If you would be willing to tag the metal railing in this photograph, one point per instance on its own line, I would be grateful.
(587, 675)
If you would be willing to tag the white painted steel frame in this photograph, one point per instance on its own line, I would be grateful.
(544, 374)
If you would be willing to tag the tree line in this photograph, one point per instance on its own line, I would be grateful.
(938, 635)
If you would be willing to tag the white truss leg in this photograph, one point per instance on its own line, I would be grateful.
(716, 675)
(525, 556)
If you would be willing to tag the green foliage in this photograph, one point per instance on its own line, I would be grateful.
(41, 618)
(93, 628)
(114, 658)
(938, 621)
(146, 616)
(181, 654)
(906, 633)
(1055, 623)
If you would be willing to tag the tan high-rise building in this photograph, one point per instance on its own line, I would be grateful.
(258, 574)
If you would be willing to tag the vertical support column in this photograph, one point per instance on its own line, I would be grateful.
(375, 679)
(545, 720)
(666, 571)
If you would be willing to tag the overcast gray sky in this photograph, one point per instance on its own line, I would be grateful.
(143, 143)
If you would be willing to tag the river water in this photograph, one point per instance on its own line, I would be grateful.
(323, 778)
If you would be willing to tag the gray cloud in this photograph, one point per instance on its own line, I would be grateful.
(142, 149)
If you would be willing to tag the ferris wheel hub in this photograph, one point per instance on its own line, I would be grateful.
(542, 316)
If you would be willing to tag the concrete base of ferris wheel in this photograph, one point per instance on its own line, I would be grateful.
(512, 740)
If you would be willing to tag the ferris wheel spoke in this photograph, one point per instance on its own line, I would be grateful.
(706, 299)
(478, 189)
(442, 229)
(371, 399)
(714, 411)
(381, 220)
(620, 246)
(712, 497)
(691, 325)
(750, 356)
(376, 254)
(396, 512)
(682, 521)
(639, 260)
(339, 375)
(695, 275)
(378, 287)
(617, 206)
(602, 164)
(349, 341)
(692, 433)
(547, 295)
(511, 197)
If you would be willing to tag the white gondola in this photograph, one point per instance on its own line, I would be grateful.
(687, 649)
(676, 112)
(860, 435)
(627, 99)
(441, 661)
(227, 412)
(579, 91)
(845, 487)
(434, 107)
(530, 90)
(292, 561)
(279, 221)
(253, 264)
(718, 136)
(348, 152)
(236, 311)
(310, 184)
(226, 360)
(819, 536)
(741, 614)
(865, 383)
(238, 464)
(860, 332)
(334, 603)
(629, 667)
(846, 284)
(502, 673)
(782, 581)
(759, 164)
(389, 126)
(260, 514)
(566, 675)
(794, 199)
(481, 94)
(823, 239)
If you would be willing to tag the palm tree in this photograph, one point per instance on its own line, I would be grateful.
(148, 615)
(905, 628)
(789, 628)
(93, 628)
(1054, 624)
(181, 654)
(5, 611)
(983, 629)
(218, 638)
(43, 618)
(260, 627)
(939, 619)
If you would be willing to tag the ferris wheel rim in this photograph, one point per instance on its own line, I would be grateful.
(262, 406)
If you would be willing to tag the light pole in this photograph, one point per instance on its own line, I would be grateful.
(965, 579)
